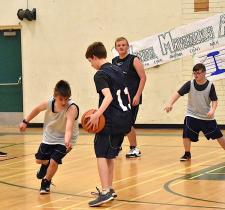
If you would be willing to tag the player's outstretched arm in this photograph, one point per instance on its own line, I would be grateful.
(71, 115)
(173, 99)
(41, 107)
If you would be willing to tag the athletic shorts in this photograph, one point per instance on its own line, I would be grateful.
(107, 146)
(193, 126)
(48, 151)
(134, 111)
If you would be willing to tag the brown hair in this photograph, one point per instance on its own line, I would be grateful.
(121, 39)
(96, 49)
(62, 88)
(199, 66)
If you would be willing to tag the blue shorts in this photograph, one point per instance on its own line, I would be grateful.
(47, 151)
(107, 146)
(193, 126)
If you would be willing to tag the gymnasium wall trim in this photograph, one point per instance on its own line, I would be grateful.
(141, 126)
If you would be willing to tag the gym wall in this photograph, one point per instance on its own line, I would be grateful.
(54, 46)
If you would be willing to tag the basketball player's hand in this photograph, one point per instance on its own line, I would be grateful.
(93, 121)
(210, 114)
(136, 100)
(168, 108)
(22, 127)
(68, 145)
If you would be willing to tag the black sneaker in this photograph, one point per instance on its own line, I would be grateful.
(45, 186)
(185, 157)
(112, 191)
(101, 199)
(3, 154)
(42, 171)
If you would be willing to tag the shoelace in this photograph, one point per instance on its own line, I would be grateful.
(96, 193)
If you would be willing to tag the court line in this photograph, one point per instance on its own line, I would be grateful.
(168, 189)
(149, 180)
(218, 173)
(60, 199)
(158, 178)
(31, 171)
(24, 160)
(74, 205)
(141, 174)
(171, 204)
(150, 171)
(206, 172)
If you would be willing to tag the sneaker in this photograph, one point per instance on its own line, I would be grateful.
(45, 186)
(185, 157)
(42, 171)
(3, 154)
(101, 199)
(133, 153)
(113, 193)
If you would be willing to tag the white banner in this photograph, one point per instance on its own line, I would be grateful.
(214, 61)
(182, 41)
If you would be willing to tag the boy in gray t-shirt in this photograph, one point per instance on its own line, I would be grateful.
(202, 104)
(59, 133)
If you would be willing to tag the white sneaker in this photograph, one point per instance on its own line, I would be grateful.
(133, 153)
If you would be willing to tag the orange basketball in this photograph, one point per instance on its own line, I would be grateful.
(85, 119)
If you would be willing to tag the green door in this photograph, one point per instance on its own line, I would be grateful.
(11, 96)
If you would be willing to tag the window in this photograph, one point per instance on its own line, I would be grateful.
(201, 5)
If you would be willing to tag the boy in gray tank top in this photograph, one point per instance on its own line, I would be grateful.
(202, 104)
(59, 133)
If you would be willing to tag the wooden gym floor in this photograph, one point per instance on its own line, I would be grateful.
(157, 180)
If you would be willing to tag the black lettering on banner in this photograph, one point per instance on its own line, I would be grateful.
(222, 26)
(145, 54)
(165, 41)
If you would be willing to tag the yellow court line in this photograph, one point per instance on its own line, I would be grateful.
(215, 169)
(205, 173)
(152, 192)
(140, 174)
(149, 171)
(145, 194)
(15, 175)
(74, 205)
(218, 173)
(25, 159)
(7, 164)
(176, 171)
(18, 174)
(60, 199)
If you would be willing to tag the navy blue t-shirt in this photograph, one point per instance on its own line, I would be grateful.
(131, 75)
(110, 77)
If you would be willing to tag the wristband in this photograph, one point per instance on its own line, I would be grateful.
(24, 121)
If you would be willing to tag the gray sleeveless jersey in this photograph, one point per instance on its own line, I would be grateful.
(199, 102)
(55, 125)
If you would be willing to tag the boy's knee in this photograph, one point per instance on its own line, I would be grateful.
(53, 162)
(39, 161)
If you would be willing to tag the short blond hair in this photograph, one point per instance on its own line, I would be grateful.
(121, 39)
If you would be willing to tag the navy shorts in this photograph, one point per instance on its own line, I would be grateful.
(193, 126)
(51, 151)
(107, 146)
(134, 111)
